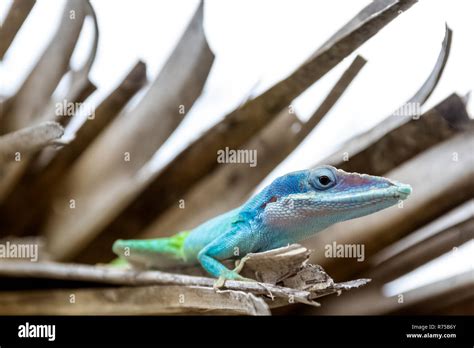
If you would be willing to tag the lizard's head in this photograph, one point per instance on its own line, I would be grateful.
(352, 193)
(328, 195)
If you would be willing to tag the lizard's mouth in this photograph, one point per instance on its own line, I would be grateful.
(392, 193)
(359, 202)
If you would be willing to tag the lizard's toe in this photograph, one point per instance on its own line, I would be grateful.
(231, 275)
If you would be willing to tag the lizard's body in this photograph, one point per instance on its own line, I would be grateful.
(292, 208)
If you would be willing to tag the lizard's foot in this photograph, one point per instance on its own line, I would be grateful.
(233, 275)
(230, 275)
(241, 264)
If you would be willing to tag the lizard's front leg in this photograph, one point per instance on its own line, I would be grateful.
(220, 249)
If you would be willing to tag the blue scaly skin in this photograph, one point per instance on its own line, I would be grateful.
(292, 208)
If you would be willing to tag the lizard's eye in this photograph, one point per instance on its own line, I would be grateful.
(324, 180)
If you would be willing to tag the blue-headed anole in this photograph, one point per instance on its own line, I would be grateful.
(292, 208)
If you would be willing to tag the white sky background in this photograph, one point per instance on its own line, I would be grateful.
(257, 43)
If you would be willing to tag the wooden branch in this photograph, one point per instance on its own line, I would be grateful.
(433, 195)
(430, 298)
(105, 113)
(422, 95)
(19, 10)
(446, 119)
(368, 11)
(80, 87)
(44, 176)
(5, 103)
(79, 75)
(45, 76)
(158, 114)
(28, 104)
(424, 300)
(143, 300)
(283, 266)
(15, 175)
(104, 191)
(366, 152)
(334, 94)
(28, 140)
(205, 200)
(422, 246)
(169, 184)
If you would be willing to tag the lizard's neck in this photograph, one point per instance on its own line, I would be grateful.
(256, 205)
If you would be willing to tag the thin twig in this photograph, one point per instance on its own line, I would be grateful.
(363, 151)
(17, 14)
(28, 140)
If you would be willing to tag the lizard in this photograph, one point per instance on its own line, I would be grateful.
(292, 208)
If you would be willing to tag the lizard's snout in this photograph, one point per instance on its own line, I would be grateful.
(118, 247)
(403, 190)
